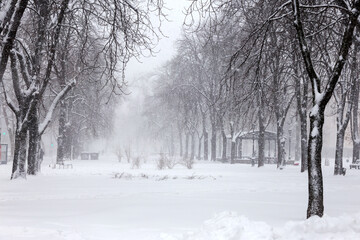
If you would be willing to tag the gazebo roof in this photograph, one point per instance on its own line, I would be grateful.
(255, 135)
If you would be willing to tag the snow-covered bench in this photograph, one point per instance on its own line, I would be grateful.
(63, 165)
(355, 165)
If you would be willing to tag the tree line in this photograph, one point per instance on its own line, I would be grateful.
(255, 65)
(66, 58)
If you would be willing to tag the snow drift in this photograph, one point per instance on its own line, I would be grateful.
(231, 226)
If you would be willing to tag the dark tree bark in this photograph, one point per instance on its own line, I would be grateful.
(42, 7)
(192, 154)
(261, 145)
(240, 148)
(233, 143)
(339, 153)
(297, 139)
(63, 128)
(34, 143)
(342, 123)
(354, 118)
(199, 146)
(61, 140)
(261, 140)
(206, 138)
(187, 137)
(224, 141)
(224, 146)
(280, 139)
(315, 179)
(355, 125)
(19, 160)
(213, 141)
(301, 89)
(26, 102)
(206, 145)
(304, 144)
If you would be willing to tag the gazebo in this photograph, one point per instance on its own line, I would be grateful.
(246, 145)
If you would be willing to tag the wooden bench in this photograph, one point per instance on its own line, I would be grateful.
(355, 165)
(62, 165)
(89, 156)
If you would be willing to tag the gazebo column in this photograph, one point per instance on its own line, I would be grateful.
(275, 152)
(269, 148)
(240, 148)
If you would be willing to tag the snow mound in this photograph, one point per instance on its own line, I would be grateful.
(231, 226)
(336, 228)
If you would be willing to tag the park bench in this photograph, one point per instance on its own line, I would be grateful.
(62, 164)
(355, 165)
(89, 156)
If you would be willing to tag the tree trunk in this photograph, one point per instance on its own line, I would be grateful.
(356, 151)
(233, 144)
(199, 147)
(261, 146)
(339, 153)
(301, 89)
(172, 144)
(355, 124)
(180, 142)
(186, 145)
(192, 154)
(206, 137)
(355, 94)
(304, 142)
(233, 152)
(20, 145)
(281, 146)
(261, 140)
(34, 143)
(297, 140)
(315, 204)
(60, 155)
(342, 123)
(213, 142)
(224, 145)
(206, 144)
(240, 148)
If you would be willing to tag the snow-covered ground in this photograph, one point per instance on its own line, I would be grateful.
(108, 200)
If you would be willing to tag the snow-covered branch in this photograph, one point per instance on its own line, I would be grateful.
(58, 98)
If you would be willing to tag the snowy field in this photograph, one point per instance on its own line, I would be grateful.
(108, 200)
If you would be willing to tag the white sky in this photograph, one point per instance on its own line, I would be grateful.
(166, 47)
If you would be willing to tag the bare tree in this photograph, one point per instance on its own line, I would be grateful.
(321, 97)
